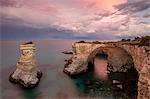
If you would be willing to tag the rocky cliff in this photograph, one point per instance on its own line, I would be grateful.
(121, 57)
(27, 73)
(141, 59)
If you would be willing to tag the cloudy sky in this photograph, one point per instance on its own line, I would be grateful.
(74, 19)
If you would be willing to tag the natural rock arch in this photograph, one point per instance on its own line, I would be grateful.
(120, 68)
(140, 55)
(120, 63)
(119, 60)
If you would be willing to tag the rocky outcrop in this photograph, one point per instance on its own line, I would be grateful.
(141, 59)
(27, 73)
(84, 53)
(121, 57)
(67, 52)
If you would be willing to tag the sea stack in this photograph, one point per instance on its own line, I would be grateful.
(27, 72)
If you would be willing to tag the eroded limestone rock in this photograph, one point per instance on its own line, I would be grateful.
(140, 56)
(27, 73)
(77, 65)
(118, 59)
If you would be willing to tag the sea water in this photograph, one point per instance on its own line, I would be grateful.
(54, 83)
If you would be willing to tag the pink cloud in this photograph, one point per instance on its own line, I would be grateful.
(80, 16)
(105, 5)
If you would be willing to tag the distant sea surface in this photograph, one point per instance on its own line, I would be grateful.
(54, 83)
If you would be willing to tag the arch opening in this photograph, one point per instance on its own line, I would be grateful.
(107, 80)
(121, 82)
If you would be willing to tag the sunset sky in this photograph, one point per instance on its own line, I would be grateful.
(74, 19)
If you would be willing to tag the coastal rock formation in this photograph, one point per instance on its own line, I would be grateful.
(84, 53)
(141, 58)
(67, 52)
(121, 57)
(27, 73)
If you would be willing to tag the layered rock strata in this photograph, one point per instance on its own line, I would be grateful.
(27, 72)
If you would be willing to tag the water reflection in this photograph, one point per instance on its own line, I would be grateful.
(119, 85)
(100, 66)
(100, 69)
(88, 85)
(97, 82)
(54, 84)
(30, 93)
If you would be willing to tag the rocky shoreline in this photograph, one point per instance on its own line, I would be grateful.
(121, 57)
(67, 52)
